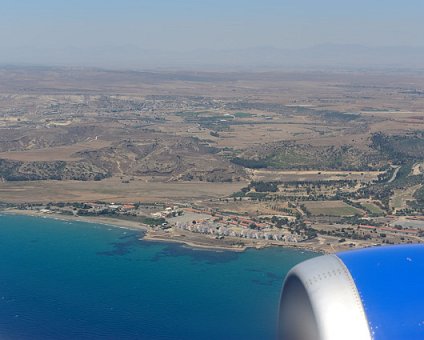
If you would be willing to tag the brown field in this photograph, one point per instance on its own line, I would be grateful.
(289, 176)
(250, 208)
(61, 153)
(418, 169)
(113, 190)
(251, 134)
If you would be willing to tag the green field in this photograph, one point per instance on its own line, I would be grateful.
(373, 209)
(243, 115)
(331, 208)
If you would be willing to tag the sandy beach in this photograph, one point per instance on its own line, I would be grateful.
(114, 222)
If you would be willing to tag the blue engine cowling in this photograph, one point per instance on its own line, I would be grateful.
(373, 293)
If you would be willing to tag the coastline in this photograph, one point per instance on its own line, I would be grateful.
(191, 240)
(112, 222)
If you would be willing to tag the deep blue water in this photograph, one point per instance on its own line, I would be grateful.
(62, 280)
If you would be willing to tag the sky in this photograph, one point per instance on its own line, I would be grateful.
(185, 25)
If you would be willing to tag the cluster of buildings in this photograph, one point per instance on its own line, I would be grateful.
(169, 212)
(219, 230)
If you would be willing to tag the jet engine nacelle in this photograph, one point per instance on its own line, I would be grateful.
(373, 293)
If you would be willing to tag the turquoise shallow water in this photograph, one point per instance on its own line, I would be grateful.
(62, 280)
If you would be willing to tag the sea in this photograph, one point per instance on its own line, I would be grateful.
(75, 280)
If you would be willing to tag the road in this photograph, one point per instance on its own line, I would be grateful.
(394, 174)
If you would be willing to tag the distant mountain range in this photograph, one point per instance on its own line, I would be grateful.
(129, 56)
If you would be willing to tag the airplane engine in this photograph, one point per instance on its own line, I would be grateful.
(372, 293)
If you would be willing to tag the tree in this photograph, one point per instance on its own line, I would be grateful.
(253, 226)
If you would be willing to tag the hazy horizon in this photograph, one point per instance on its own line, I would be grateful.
(189, 33)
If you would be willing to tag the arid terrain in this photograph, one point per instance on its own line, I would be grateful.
(320, 155)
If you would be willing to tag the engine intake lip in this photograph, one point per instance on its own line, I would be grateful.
(319, 301)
